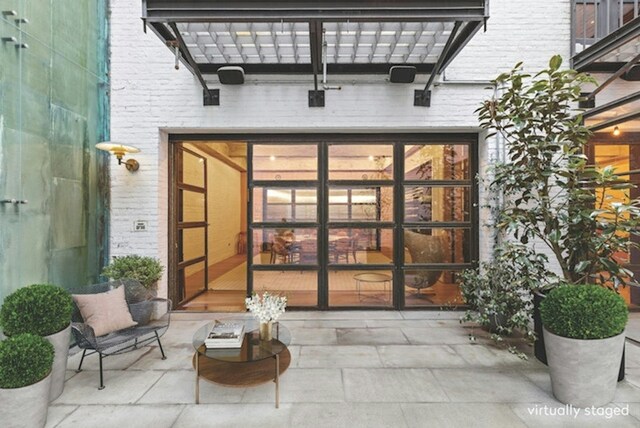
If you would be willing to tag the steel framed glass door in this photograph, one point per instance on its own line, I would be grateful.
(190, 243)
(352, 222)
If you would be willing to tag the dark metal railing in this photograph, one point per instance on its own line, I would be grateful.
(593, 20)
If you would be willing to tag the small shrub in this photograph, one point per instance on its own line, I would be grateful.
(25, 359)
(147, 270)
(40, 309)
(584, 312)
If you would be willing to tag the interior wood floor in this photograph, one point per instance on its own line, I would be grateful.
(228, 288)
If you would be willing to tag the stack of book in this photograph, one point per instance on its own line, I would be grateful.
(225, 335)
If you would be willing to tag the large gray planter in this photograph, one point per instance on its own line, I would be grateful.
(26, 406)
(584, 373)
(60, 342)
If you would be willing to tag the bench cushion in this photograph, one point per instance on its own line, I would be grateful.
(105, 312)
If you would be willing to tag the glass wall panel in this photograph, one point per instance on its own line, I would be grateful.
(360, 246)
(285, 162)
(360, 287)
(193, 168)
(360, 162)
(437, 245)
(361, 204)
(192, 280)
(285, 245)
(431, 287)
(436, 204)
(436, 162)
(284, 205)
(193, 206)
(191, 243)
(300, 287)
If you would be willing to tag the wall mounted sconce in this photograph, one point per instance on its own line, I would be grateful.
(119, 150)
(616, 131)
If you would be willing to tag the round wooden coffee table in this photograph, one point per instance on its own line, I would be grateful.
(254, 363)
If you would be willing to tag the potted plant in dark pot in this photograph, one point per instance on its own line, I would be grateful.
(43, 310)
(147, 271)
(498, 292)
(584, 338)
(25, 380)
(550, 195)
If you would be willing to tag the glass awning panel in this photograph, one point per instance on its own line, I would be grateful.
(385, 42)
(247, 42)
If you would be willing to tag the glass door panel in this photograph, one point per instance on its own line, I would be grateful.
(624, 157)
(285, 162)
(360, 204)
(360, 246)
(436, 162)
(285, 246)
(360, 162)
(277, 204)
(437, 222)
(191, 225)
(285, 221)
(363, 287)
(437, 204)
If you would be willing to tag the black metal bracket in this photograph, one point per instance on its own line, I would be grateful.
(587, 102)
(422, 98)
(211, 97)
(316, 98)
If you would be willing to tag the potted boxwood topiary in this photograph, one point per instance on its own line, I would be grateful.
(584, 338)
(147, 270)
(25, 380)
(44, 310)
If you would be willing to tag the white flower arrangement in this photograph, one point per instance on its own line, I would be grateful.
(268, 308)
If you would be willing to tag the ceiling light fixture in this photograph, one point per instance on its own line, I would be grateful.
(272, 158)
(616, 131)
(119, 150)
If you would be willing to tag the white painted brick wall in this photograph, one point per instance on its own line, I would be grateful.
(149, 99)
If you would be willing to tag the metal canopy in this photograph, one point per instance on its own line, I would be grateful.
(304, 36)
(611, 52)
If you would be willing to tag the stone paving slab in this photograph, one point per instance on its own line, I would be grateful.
(57, 413)
(392, 386)
(300, 385)
(234, 416)
(425, 356)
(470, 385)
(489, 415)
(139, 416)
(313, 336)
(339, 356)
(347, 415)
(371, 336)
(178, 387)
(121, 387)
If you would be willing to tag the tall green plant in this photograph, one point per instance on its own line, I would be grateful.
(551, 194)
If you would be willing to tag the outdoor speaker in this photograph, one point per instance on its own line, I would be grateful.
(402, 74)
(231, 75)
(633, 75)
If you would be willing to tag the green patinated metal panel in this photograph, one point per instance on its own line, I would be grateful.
(53, 110)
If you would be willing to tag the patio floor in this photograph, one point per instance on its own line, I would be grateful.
(348, 369)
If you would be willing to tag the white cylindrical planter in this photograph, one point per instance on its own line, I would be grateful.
(60, 342)
(26, 406)
(584, 373)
